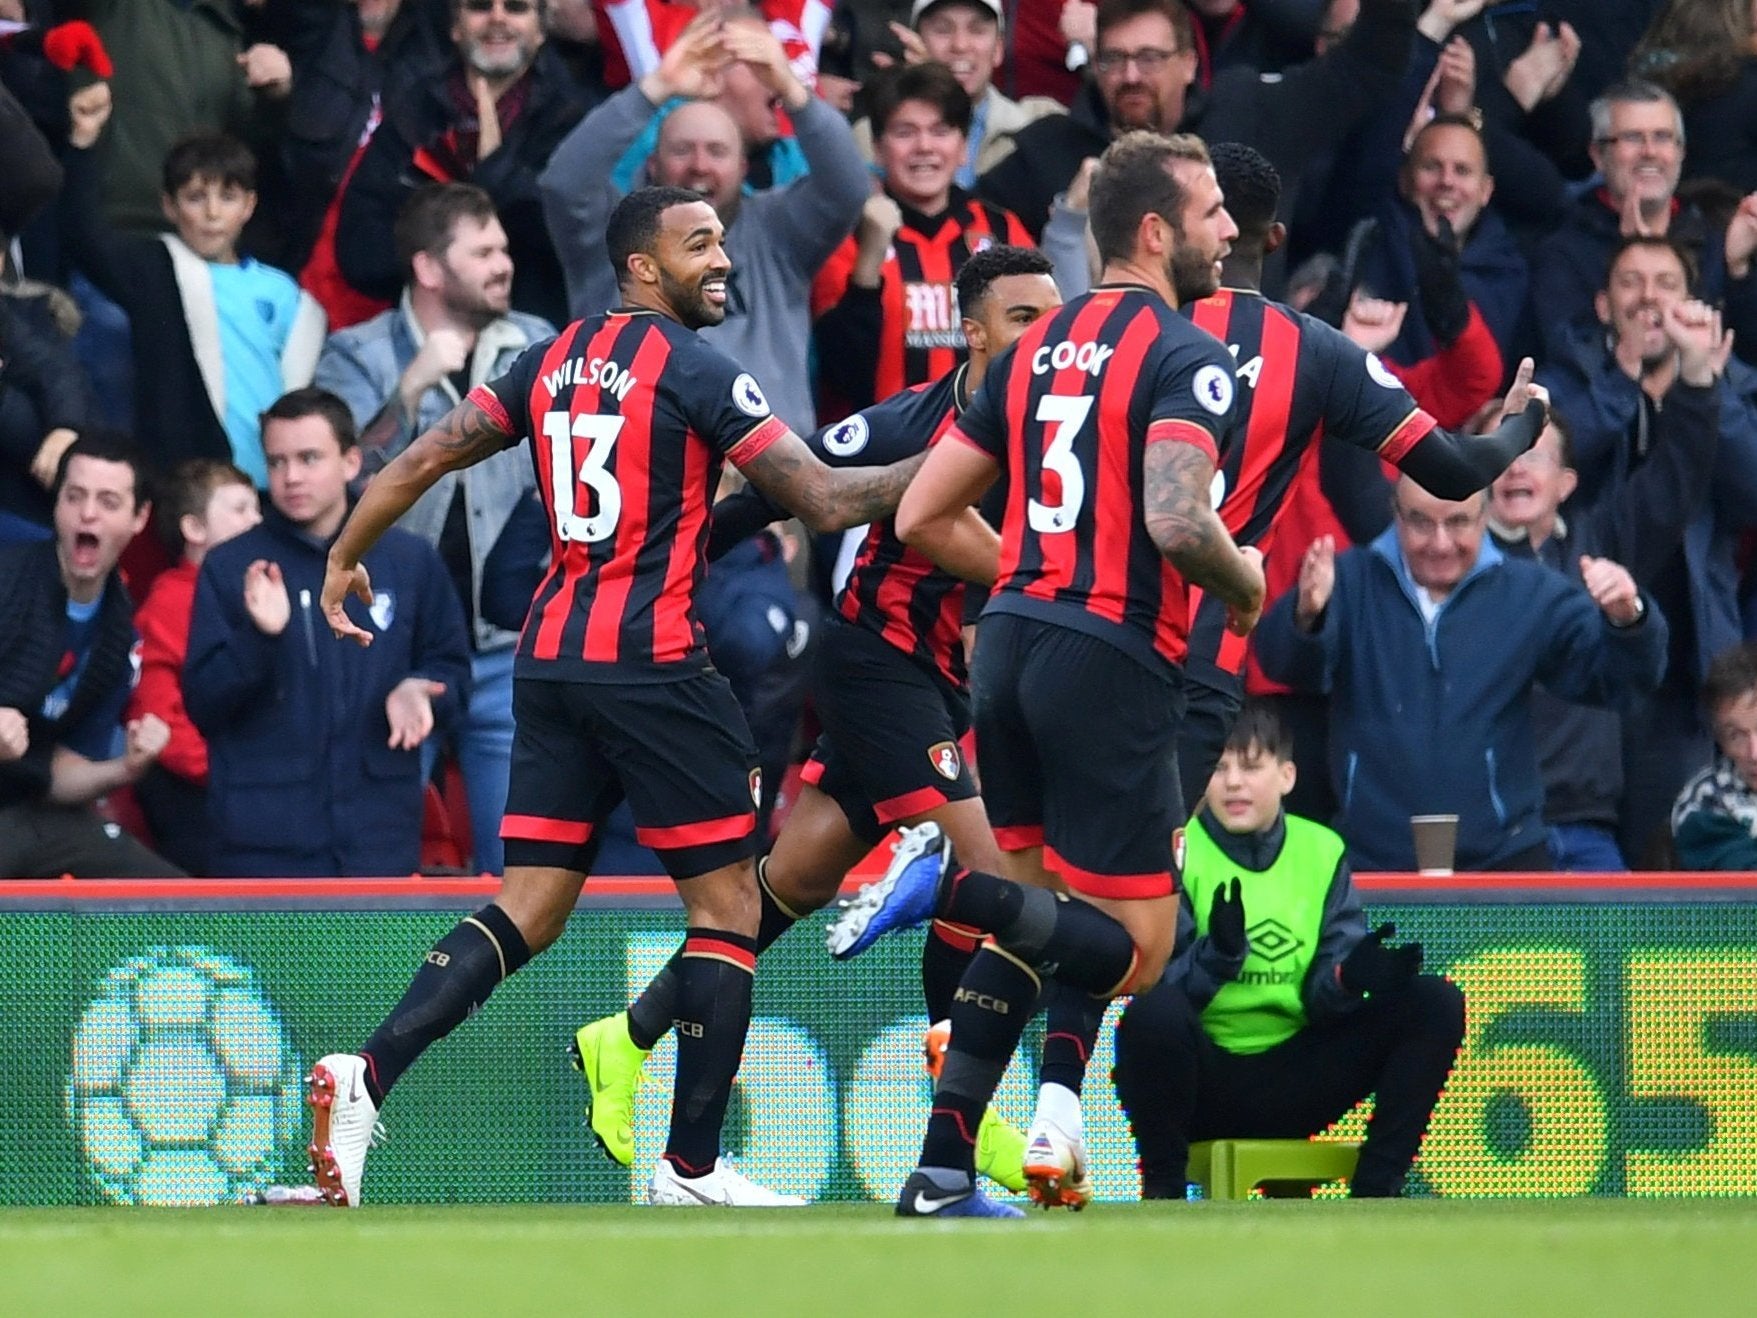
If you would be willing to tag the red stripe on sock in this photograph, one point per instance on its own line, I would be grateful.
(687, 1169)
(727, 829)
(535, 828)
(1076, 1040)
(720, 948)
(960, 937)
(811, 772)
(963, 1130)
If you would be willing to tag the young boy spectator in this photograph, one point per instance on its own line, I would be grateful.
(314, 746)
(205, 503)
(1714, 824)
(1278, 1037)
(217, 336)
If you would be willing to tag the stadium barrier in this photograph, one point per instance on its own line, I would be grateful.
(153, 1036)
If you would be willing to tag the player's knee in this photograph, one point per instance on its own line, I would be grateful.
(723, 899)
(804, 889)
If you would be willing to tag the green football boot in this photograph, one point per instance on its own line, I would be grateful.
(606, 1056)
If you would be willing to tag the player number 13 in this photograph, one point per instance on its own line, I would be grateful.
(561, 430)
(1067, 416)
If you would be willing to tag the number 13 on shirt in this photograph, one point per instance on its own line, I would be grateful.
(593, 473)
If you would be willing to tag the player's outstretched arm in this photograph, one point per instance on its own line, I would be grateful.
(936, 517)
(463, 437)
(1452, 466)
(1181, 520)
(827, 498)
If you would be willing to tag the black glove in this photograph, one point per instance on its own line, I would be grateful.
(1374, 968)
(1226, 923)
(1439, 281)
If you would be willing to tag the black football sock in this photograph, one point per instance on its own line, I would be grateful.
(989, 1012)
(1072, 1018)
(945, 956)
(458, 974)
(651, 1014)
(715, 971)
(1067, 940)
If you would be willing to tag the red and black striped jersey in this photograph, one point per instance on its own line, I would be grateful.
(919, 338)
(1068, 413)
(630, 417)
(1299, 381)
(894, 590)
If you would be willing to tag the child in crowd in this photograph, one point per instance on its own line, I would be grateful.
(204, 503)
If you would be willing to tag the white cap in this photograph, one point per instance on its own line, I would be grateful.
(920, 7)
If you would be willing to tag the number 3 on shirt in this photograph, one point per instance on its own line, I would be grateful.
(1067, 415)
(561, 431)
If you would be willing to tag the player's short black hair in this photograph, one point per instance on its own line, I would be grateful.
(106, 445)
(208, 155)
(1259, 726)
(635, 223)
(931, 83)
(1663, 241)
(993, 263)
(430, 216)
(312, 401)
(1251, 184)
(1134, 180)
(1732, 674)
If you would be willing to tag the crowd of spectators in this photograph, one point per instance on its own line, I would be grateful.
(273, 240)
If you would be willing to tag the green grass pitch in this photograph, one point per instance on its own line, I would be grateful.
(1334, 1258)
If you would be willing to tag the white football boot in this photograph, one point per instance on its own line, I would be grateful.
(1056, 1173)
(344, 1125)
(724, 1187)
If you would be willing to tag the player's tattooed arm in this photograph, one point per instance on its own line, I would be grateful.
(1181, 520)
(827, 498)
(463, 436)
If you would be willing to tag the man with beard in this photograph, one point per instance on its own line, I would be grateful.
(66, 633)
(776, 239)
(399, 373)
(1108, 420)
(631, 417)
(1142, 67)
(490, 115)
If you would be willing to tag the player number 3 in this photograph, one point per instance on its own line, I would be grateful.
(1067, 416)
(561, 430)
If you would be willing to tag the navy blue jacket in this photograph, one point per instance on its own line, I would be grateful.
(304, 782)
(1436, 718)
(1568, 270)
(1605, 414)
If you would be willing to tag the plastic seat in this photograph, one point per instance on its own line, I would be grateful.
(1231, 1169)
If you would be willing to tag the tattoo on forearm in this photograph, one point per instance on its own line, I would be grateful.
(466, 435)
(1181, 520)
(827, 497)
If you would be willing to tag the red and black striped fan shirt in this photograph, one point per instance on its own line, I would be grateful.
(1299, 382)
(630, 417)
(1068, 412)
(920, 340)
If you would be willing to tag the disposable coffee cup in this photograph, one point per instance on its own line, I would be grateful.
(1436, 842)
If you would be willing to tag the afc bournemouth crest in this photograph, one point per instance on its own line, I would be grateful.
(946, 761)
(1177, 852)
(756, 788)
(383, 610)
